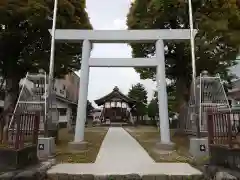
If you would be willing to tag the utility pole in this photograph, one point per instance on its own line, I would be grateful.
(51, 67)
(193, 61)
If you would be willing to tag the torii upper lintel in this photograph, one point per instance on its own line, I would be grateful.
(121, 36)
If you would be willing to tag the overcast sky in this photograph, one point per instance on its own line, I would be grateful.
(111, 14)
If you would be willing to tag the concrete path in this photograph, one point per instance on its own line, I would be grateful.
(121, 154)
(120, 147)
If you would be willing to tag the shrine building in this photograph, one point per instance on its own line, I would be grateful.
(116, 108)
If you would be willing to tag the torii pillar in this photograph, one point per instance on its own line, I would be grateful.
(162, 96)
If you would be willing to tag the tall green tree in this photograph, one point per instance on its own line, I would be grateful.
(217, 42)
(25, 41)
(139, 93)
(89, 107)
(152, 109)
(153, 105)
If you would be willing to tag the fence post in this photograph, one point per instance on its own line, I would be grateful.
(210, 125)
(229, 129)
(17, 136)
(36, 128)
(21, 130)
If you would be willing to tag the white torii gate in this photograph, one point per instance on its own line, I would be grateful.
(122, 36)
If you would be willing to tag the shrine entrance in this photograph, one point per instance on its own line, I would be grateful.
(122, 36)
(116, 107)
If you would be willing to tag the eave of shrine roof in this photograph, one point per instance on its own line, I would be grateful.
(114, 94)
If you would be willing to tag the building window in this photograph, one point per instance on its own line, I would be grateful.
(113, 104)
(62, 111)
(62, 91)
(124, 105)
(119, 104)
(107, 105)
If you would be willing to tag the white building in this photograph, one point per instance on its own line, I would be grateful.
(66, 90)
(67, 97)
(234, 93)
(236, 69)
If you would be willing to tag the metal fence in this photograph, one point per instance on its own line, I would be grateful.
(22, 133)
(209, 95)
(187, 117)
(224, 138)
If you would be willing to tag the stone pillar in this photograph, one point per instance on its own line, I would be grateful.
(162, 95)
(83, 92)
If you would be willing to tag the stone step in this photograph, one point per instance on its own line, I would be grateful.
(124, 177)
(34, 172)
(117, 124)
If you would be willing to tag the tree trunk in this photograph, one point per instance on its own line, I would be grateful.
(181, 97)
(181, 93)
(12, 92)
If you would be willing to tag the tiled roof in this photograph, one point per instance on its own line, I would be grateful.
(115, 94)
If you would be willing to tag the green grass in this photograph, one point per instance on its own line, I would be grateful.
(94, 137)
(149, 136)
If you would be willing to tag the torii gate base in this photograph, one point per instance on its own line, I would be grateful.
(122, 36)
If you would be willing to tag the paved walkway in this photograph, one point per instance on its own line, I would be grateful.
(121, 154)
(119, 146)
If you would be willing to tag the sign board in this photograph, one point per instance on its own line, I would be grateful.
(41, 147)
(202, 147)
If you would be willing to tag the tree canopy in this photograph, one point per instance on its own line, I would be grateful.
(217, 41)
(139, 93)
(25, 40)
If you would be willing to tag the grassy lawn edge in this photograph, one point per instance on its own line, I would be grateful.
(93, 136)
(147, 137)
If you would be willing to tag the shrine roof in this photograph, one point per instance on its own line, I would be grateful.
(115, 94)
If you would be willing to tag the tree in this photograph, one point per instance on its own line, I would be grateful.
(153, 109)
(217, 42)
(139, 93)
(172, 103)
(88, 110)
(25, 40)
(89, 107)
